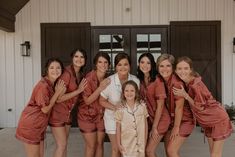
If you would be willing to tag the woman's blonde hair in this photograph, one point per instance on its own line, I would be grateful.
(163, 57)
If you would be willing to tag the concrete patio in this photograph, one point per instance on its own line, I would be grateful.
(193, 147)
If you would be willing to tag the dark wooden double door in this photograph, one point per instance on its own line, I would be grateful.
(201, 41)
(133, 40)
(58, 40)
(198, 40)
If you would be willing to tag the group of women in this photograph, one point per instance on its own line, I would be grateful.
(175, 98)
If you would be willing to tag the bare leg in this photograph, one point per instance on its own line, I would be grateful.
(166, 141)
(42, 149)
(217, 148)
(60, 136)
(151, 146)
(100, 144)
(32, 150)
(173, 146)
(90, 144)
(115, 151)
(210, 142)
(67, 128)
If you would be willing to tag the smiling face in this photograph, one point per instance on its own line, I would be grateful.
(54, 71)
(184, 71)
(78, 60)
(102, 65)
(145, 65)
(165, 69)
(123, 67)
(129, 93)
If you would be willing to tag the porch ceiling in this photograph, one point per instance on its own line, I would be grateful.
(8, 10)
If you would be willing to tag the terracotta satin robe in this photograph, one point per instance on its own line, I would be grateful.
(61, 113)
(150, 94)
(208, 112)
(188, 121)
(33, 122)
(93, 112)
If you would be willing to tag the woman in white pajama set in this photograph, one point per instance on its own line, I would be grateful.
(111, 97)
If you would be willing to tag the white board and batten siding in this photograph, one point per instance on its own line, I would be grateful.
(19, 74)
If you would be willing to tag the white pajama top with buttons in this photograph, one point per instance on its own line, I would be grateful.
(113, 94)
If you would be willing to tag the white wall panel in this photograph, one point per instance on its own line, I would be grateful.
(210, 9)
(154, 14)
(219, 10)
(233, 78)
(3, 106)
(44, 10)
(26, 71)
(71, 10)
(135, 11)
(145, 11)
(227, 59)
(27, 61)
(108, 12)
(53, 10)
(220, 16)
(62, 11)
(81, 10)
(233, 65)
(10, 80)
(163, 12)
(99, 12)
(183, 14)
(19, 77)
(117, 12)
(90, 11)
(201, 9)
(173, 10)
(192, 10)
(126, 10)
(35, 35)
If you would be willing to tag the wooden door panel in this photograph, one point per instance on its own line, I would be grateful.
(130, 39)
(200, 40)
(161, 45)
(59, 39)
(207, 71)
(110, 46)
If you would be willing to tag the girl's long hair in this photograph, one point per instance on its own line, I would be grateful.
(137, 95)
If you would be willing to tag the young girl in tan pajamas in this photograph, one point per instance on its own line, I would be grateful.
(131, 122)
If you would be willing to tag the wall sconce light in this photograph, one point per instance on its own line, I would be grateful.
(233, 45)
(25, 49)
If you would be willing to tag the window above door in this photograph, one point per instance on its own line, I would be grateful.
(132, 40)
